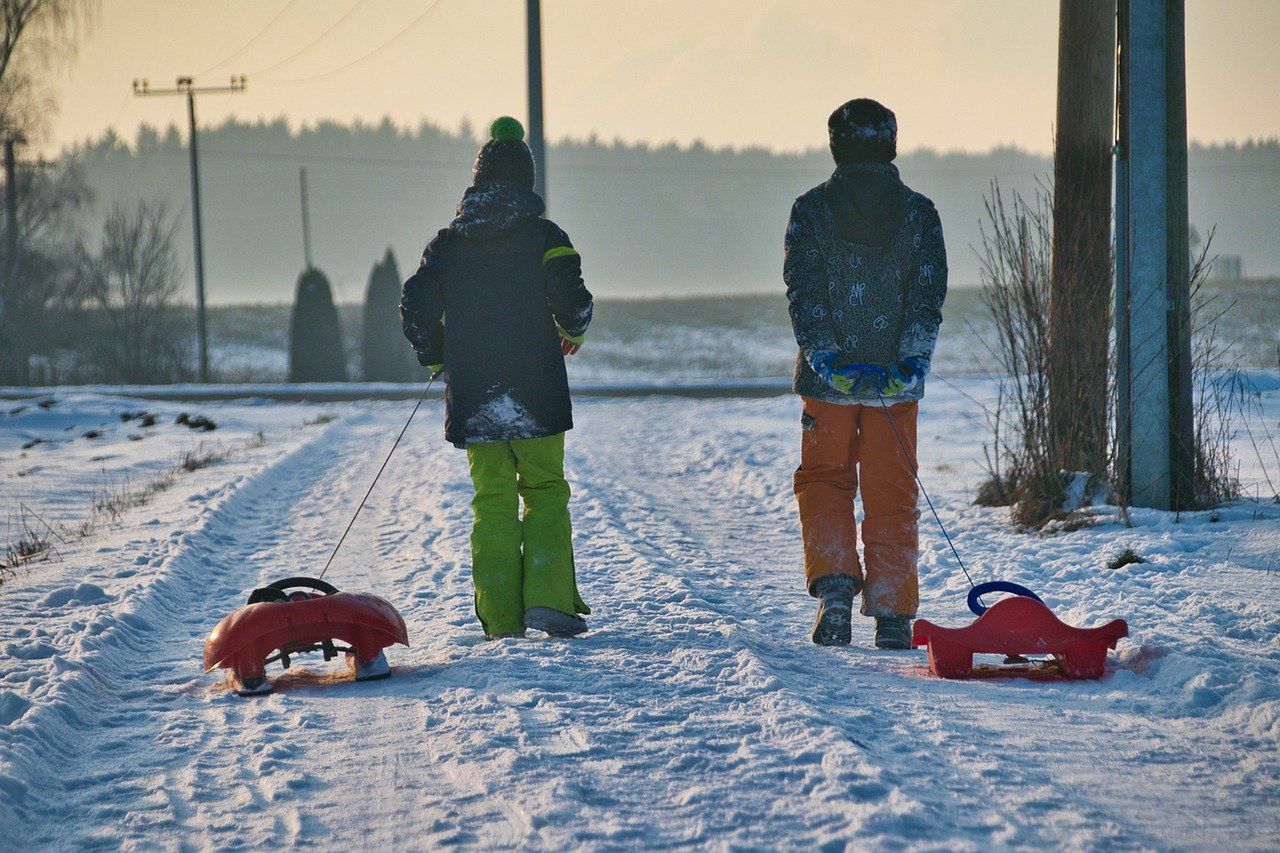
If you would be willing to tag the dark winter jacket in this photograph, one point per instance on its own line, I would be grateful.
(866, 275)
(486, 302)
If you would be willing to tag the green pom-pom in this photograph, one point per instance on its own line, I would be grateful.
(506, 129)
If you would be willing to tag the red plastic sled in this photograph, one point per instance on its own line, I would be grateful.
(299, 615)
(1016, 627)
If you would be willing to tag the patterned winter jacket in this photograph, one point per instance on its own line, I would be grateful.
(494, 293)
(866, 275)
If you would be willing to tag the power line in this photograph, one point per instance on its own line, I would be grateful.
(781, 170)
(368, 55)
(306, 47)
(251, 42)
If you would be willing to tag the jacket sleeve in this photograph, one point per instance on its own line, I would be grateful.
(804, 270)
(567, 295)
(926, 282)
(422, 306)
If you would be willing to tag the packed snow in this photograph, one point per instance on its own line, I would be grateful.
(695, 712)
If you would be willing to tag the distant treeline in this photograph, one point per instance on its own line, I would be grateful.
(648, 219)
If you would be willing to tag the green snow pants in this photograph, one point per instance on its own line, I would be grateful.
(521, 561)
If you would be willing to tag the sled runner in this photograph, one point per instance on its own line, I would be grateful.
(298, 615)
(1017, 627)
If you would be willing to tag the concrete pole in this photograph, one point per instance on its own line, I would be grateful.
(1146, 309)
(533, 21)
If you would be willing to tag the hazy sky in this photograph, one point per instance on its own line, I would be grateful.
(961, 74)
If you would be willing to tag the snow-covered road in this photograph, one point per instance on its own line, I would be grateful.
(695, 712)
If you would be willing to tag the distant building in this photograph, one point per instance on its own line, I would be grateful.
(1227, 268)
(1221, 267)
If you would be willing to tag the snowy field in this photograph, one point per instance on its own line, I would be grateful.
(696, 712)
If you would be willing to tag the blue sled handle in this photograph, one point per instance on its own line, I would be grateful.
(976, 593)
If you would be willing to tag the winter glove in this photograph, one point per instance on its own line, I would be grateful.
(844, 376)
(822, 362)
(436, 369)
(570, 344)
(901, 375)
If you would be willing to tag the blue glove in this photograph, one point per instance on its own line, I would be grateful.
(901, 375)
(845, 376)
(823, 361)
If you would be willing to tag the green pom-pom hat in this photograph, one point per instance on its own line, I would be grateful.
(505, 157)
(506, 129)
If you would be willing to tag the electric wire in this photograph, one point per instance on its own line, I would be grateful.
(306, 47)
(368, 55)
(251, 42)
(365, 499)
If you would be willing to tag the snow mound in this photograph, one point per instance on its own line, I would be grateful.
(85, 593)
(12, 707)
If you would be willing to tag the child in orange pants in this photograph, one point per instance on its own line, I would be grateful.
(866, 275)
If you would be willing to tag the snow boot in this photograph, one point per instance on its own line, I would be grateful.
(893, 632)
(835, 593)
(510, 635)
(554, 622)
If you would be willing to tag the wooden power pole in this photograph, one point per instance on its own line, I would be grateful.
(306, 217)
(186, 86)
(533, 23)
(1080, 290)
(12, 260)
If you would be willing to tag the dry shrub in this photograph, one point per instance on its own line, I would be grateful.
(23, 542)
(1127, 557)
(1014, 259)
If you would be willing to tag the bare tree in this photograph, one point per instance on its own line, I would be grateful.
(35, 36)
(42, 285)
(138, 331)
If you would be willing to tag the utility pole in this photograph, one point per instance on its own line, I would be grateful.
(186, 86)
(1154, 418)
(1080, 283)
(533, 22)
(11, 242)
(306, 217)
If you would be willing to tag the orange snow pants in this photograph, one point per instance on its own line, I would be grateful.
(840, 446)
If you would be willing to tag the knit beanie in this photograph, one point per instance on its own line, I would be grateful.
(863, 131)
(505, 157)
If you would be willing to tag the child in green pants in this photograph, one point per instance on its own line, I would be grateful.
(510, 284)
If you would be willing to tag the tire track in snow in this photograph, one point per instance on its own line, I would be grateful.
(129, 731)
(949, 735)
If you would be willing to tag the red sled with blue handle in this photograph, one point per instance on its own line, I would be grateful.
(1016, 627)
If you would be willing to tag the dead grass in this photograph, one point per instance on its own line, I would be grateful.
(117, 496)
(29, 538)
(25, 541)
(1127, 557)
(202, 457)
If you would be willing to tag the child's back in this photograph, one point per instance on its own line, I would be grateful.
(497, 303)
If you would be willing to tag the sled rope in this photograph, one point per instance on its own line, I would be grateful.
(365, 499)
(915, 472)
